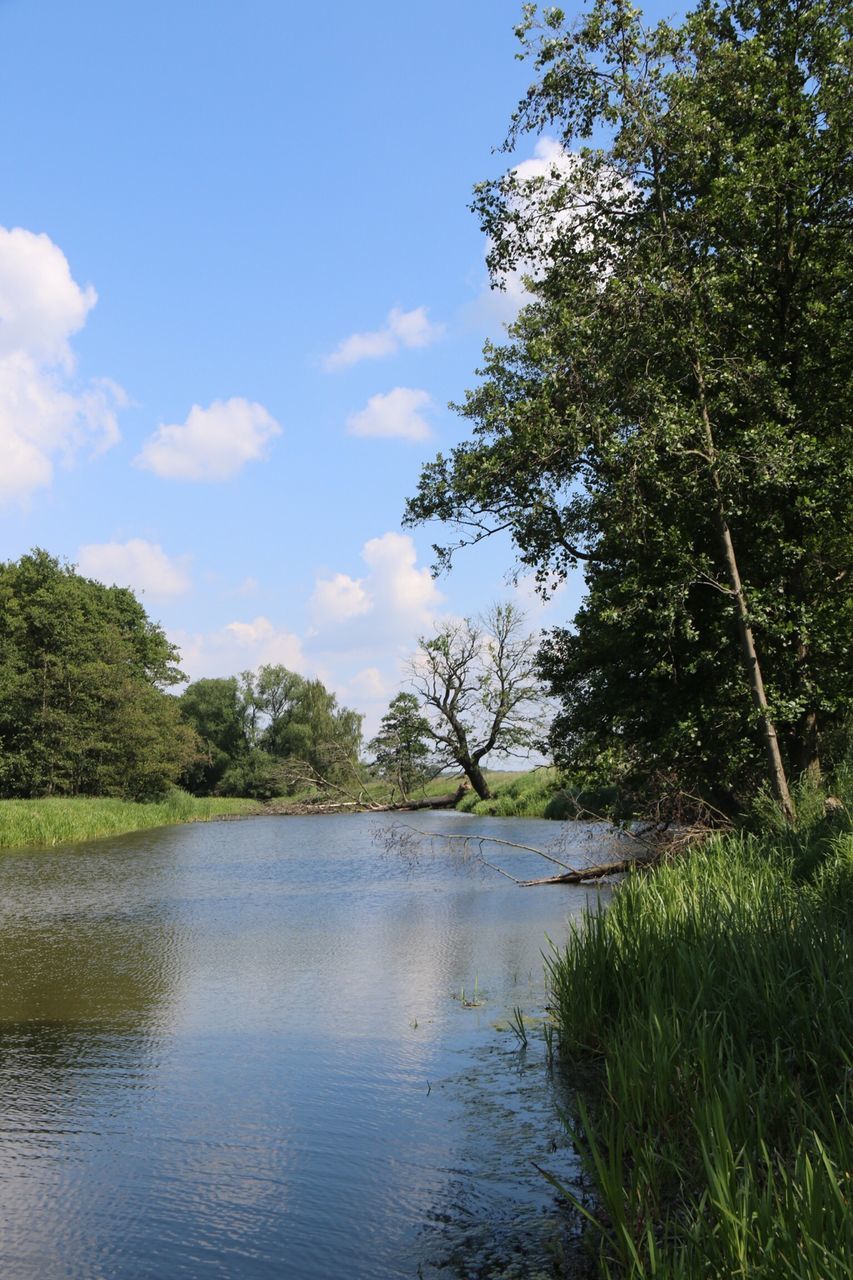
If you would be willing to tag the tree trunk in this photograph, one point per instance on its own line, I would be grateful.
(474, 774)
(778, 780)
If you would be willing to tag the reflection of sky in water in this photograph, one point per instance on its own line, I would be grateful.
(235, 1050)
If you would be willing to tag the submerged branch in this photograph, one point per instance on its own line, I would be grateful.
(400, 835)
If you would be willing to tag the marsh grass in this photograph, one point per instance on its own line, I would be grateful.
(61, 821)
(709, 1014)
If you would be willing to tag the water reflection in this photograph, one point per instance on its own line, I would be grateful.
(235, 1050)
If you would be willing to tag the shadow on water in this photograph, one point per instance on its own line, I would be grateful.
(259, 1049)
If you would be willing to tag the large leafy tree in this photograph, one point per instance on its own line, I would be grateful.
(215, 710)
(82, 674)
(672, 409)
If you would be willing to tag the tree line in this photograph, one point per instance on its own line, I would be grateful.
(86, 707)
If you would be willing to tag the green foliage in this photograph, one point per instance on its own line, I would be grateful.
(82, 670)
(680, 376)
(60, 821)
(585, 802)
(214, 710)
(524, 796)
(252, 724)
(709, 1014)
(255, 774)
(312, 729)
(401, 750)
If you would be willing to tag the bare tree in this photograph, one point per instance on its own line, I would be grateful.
(478, 685)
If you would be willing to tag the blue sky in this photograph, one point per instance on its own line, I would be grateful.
(239, 283)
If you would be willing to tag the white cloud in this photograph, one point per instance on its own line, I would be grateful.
(43, 414)
(240, 646)
(41, 306)
(369, 685)
(390, 605)
(366, 653)
(338, 598)
(213, 444)
(401, 329)
(398, 587)
(142, 565)
(395, 415)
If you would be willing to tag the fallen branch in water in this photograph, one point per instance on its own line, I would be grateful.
(583, 874)
(398, 838)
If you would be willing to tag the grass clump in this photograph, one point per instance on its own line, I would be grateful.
(53, 821)
(515, 795)
(709, 1015)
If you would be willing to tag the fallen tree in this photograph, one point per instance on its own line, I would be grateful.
(301, 808)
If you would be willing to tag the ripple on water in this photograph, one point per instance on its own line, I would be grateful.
(240, 1049)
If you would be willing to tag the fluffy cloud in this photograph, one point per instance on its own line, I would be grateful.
(390, 604)
(369, 685)
(213, 444)
(338, 598)
(241, 646)
(43, 413)
(142, 565)
(395, 415)
(401, 329)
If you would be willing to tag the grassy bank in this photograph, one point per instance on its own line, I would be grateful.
(58, 821)
(709, 1017)
(515, 795)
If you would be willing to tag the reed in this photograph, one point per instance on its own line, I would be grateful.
(709, 1015)
(56, 821)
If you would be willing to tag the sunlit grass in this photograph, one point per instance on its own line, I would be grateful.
(709, 1015)
(515, 795)
(60, 821)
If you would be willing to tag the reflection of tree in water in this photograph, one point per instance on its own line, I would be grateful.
(80, 996)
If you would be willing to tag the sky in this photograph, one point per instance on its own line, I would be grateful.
(239, 285)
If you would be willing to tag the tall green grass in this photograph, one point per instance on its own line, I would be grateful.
(60, 821)
(523, 795)
(709, 1017)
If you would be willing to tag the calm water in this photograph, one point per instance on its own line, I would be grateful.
(240, 1050)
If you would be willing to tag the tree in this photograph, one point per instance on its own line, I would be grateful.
(306, 724)
(672, 409)
(214, 709)
(401, 749)
(82, 674)
(252, 724)
(478, 685)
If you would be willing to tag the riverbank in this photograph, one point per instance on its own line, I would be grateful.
(708, 1016)
(53, 821)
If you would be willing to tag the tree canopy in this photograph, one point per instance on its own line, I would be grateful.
(402, 750)
(82, 677)
(672, 408)
(267, 731)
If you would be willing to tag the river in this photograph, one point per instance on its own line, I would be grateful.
(277, 1048)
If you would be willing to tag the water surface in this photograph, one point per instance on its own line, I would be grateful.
(271, 1048)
